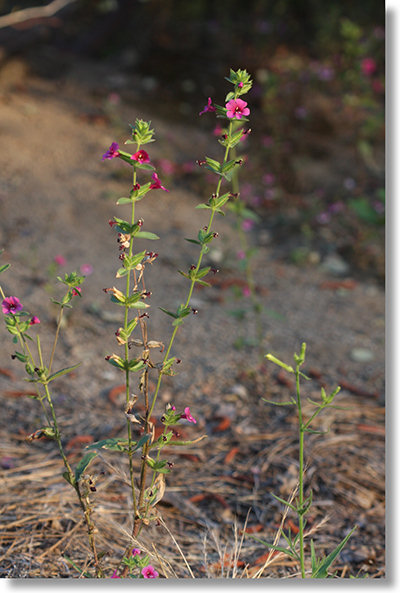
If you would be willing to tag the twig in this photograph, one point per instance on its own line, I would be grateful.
(34, 12)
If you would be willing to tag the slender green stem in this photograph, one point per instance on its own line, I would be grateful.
(301, 474)
(59, 320)
(85, 506)
(127, 374)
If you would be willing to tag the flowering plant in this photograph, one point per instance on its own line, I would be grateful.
(147, 483)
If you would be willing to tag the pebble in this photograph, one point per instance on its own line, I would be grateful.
(361, 355)
(336, 265)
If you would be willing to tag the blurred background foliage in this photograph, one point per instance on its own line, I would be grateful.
(315, 172)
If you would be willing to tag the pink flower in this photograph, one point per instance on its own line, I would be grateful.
(76, 291)
(60, 260)
(136, 551)
(236, 108)
(247, 224)
(149, 572)
(157, 183)
(86, 269)
(368, 66)
(208, 107)
(141, 156)
(218, 130)
(241, 254)
(112, 152)
(269, 178)
(187, 416)
(34, 321)
(246, 291)
(114, 575)
(167, 166)
(11, 305)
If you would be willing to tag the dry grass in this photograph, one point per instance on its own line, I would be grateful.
(217, 495)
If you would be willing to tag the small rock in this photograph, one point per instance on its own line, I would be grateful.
(361, 355)
(335, 265)
(239, 390)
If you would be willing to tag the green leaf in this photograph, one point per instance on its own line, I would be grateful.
(144, 166)
(322, 571)
(158, 466)
(287, 504)
(193, 241)
(4, 268)
(203, 206)
(275, 360)
(273, 547)
(291, 403)
(136, 365)
(111, 444)
(62, 372)
(124, 201)
(147, 235)
(174, 315)
(83, 464)
(69, 479)
(21, 357)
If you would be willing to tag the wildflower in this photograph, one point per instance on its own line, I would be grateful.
(76, 291)
(269, 178)
(141, 156)
(247, 224)
(11, 305)
(149, 572)
(368, 66)
(136, 551)
(34, 321)
(167, 166)
(157, 183)
(236, 108)
(208, 107)
(112, 152)
(187, 416)
(241, 254)
(323, 217)
(60, 260)
(246, 291)
(114, 575)
(86, 269)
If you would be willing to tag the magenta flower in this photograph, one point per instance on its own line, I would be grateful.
(60, 260)
(187, 416)
(141, 156)
(368, 66)
(34, 321)
(112, 152)
(86, 269)
(236, 108)
(247, 224)
(136, 552)
(208, 107)
(149, 572)
(246, 291)
(76, 291)
(157, 183)
(114, 575)
(11, 305)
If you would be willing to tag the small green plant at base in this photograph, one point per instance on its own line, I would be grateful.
(301, 504)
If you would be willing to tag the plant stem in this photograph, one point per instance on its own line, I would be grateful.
(301, 473)
(85, 507)
(60, 316)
